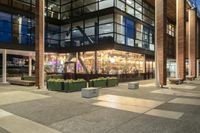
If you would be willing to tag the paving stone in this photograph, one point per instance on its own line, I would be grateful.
(189, 101)
(98, 121)
(149, 124)
(180, 108)
(3, 130)
(48, 111)
(69, 113)
(165, 114)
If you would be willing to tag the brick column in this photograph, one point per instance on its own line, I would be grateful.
(160, 42)
(198, 47)
(192, 47)
(180, 39)
(198, 68)
(39, 43)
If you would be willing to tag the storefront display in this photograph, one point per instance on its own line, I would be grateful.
(54, 63)
(108, 62)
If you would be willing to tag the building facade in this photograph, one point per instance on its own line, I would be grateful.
(101, 36)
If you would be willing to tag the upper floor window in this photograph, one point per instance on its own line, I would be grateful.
(171, 30)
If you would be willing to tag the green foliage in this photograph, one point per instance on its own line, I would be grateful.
(69, 85)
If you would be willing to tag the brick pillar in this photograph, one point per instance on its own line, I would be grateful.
(39, 43)
(198, 47)
(160, 42)
(180, 39)
(192, 47)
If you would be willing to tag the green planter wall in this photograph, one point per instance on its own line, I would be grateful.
(66, 85)
(77, 86)
(54, 86)
(98, 83)
(29, 78)
(112, 82)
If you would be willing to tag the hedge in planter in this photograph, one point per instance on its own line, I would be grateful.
(55, 84)
(99, 82)
(112, 81)
(74, 85)
(29, 78)
(54, 77)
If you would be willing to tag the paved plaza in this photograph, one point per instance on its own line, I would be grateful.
(175, 109)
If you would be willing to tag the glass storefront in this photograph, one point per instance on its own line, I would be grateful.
(54, 63)
(171, 68)
(108, 62)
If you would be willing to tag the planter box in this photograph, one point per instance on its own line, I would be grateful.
(112, 82)
(54, 86)
(29, 78)
(66, 86)
(54, 77)
(76, 86)
(98, 83)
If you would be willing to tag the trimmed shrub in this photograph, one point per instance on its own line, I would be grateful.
(29, 78)
(112, 81)
(99, 82)
(66, 85)
(55, 84)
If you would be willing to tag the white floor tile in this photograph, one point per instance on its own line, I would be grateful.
(15, 124)
(130, 108)
(148, 85)
(130, 101)
(188, 101)
(4, 113)
(165, 114)
(176, 93)
(18, 96)
(185, 87)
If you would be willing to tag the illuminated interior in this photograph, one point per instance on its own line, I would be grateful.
(108, 62)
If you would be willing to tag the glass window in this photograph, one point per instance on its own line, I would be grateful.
(65, 7)
(138, 35)
(90, 31)
(130, 10)
(120, 39)
(130, 3)
(106, 28)
(90, 22)
(138, 15)
(138, 43)
(139, 1)
(77, 3)
(139, 27)
(91, 8)
(171, 30)
(106, 19)
(105, 4)
(129, 32)
(120, 5)
(138, 7)
(86, 2)
(120, 29)
(119, 19)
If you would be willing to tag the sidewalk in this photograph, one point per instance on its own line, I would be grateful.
(116, 110)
